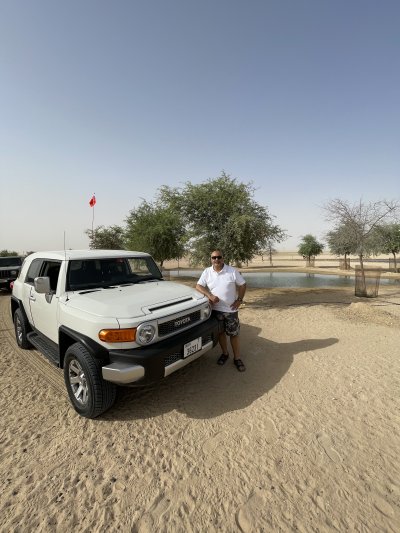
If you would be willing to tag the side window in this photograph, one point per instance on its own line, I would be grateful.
(33, 271)
(51, 269)
(138, 266)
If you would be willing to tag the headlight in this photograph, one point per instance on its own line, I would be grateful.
(205, 312)
(145, 333)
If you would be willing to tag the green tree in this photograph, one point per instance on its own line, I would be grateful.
(386, 239)
(310, 247)
(340, 242)
(221, 213)
(106, 238)
(157, 229)
(8, 253)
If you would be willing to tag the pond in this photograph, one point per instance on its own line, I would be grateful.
(269, 280)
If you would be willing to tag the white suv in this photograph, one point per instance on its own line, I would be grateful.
(108, 318)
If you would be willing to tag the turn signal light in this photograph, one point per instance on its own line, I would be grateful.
(117, 335)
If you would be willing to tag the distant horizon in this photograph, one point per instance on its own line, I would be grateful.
(266, 256)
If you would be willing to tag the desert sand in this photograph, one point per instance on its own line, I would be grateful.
(307, 439)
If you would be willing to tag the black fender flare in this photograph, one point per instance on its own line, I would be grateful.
(15, 304)
(68, 336)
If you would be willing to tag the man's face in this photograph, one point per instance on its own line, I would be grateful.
(216, 258)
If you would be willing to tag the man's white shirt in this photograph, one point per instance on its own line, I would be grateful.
(222, 284)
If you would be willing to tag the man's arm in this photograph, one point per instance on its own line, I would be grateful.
(213, 299)
(241, 292)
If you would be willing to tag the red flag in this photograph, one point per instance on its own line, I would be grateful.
(92, 201)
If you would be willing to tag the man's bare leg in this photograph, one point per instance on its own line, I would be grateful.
(236, 353)
(223, 343)
(235, 343)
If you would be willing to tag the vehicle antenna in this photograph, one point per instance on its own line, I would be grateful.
(65, 262)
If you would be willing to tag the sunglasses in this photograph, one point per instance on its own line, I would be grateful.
(216, 257)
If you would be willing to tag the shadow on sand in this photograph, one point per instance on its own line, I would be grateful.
(205, 390)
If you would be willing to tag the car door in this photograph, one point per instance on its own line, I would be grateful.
(44, 307)
(33, 272)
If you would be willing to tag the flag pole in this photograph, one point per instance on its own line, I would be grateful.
(92, 203)
(92, 224)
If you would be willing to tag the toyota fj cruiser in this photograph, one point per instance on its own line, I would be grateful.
(108, 318)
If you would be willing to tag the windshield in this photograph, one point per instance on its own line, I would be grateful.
(108, 272)
(10, 261)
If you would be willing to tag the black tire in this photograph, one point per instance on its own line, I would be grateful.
(22, 328)
(89, 393)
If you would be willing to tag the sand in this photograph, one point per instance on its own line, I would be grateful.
(307, 439)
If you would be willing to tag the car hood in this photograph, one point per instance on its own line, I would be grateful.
(134, 300)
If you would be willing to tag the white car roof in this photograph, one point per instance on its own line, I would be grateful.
(85, 254)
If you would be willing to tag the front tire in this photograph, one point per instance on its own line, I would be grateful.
(89, 393)
(22, 328)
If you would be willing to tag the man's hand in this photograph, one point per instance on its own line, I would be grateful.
(213, 299)
(236, 304)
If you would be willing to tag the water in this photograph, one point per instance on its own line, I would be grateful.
(295, 280)
(269, 280)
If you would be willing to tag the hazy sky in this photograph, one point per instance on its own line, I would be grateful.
(300, 97)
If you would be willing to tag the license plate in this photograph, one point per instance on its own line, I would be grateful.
(192, 347)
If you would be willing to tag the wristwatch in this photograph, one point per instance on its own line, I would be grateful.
(239, 299)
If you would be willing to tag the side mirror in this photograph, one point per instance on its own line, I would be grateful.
(42, 285)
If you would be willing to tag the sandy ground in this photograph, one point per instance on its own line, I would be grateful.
(307, 439)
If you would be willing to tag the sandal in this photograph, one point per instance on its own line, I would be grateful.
(239, 365)
(222, 359)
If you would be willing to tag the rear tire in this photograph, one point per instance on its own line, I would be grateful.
(89, 393)
(22, 328)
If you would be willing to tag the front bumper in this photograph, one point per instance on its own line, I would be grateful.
(154, 362)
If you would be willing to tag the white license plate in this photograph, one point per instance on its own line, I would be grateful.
(192, 347)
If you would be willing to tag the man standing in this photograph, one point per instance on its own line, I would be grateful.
(225, 287)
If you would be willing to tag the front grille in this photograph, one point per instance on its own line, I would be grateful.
(7, 273)
(181, 322)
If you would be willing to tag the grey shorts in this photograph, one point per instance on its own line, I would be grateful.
(230, 321)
